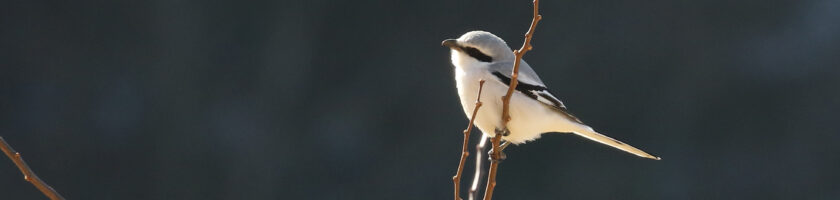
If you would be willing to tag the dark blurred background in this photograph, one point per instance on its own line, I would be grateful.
(183, 99)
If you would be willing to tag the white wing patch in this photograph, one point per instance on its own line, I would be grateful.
(546, 98)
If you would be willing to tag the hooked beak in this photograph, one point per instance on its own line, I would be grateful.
(451, 43)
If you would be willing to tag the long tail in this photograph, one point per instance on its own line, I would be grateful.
(592, 135)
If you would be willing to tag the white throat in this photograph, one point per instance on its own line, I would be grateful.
(465, 62)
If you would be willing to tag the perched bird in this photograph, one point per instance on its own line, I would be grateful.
(481, 55)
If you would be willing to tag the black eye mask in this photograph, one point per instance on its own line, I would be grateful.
(478, 55)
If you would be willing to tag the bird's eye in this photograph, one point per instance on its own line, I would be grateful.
(475, 53)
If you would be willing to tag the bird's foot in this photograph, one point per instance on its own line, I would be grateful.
(504, 132)
(502, 156)
(504, 145)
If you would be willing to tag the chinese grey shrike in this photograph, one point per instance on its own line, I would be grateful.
(481, 55)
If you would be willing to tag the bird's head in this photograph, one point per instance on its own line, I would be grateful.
(478, 47)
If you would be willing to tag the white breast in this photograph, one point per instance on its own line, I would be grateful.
(530, 118)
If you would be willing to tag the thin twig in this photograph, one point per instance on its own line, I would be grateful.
(519, 53)
(479, 172)
(494, 166)
(28, 175)
(494, 163)
(464, 152)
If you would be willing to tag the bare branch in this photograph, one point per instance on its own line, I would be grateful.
(464, 152)
(494, 163)
(519, 53)
(494, 166)
(28, 175)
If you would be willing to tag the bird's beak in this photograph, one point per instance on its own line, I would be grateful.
(451, 43)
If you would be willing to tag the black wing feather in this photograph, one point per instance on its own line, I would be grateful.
(536, 92)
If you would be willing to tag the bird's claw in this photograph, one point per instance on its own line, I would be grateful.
(501, 156)
(492, 157)
(503, 132)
